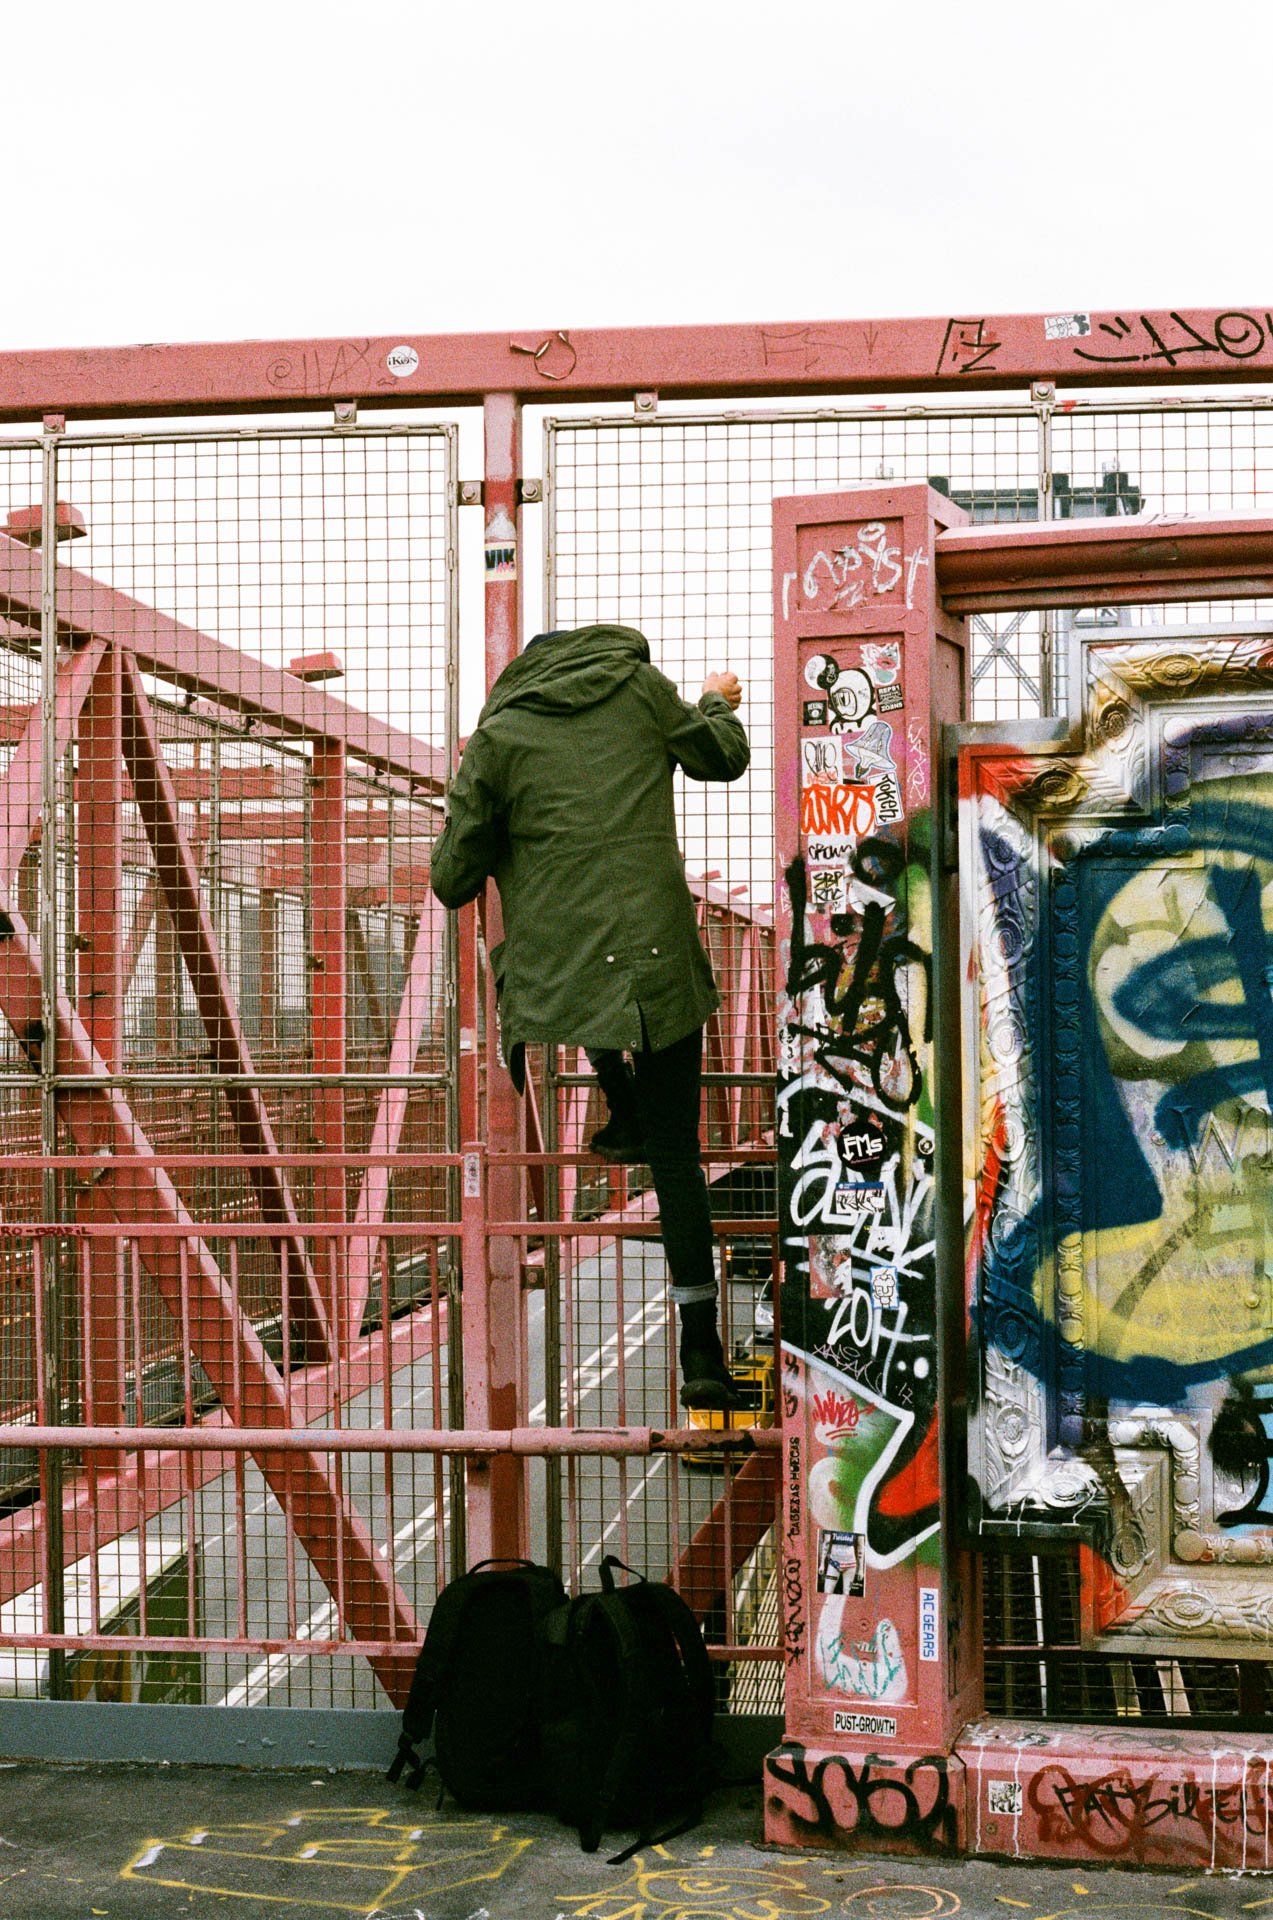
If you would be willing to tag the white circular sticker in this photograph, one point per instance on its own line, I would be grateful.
(402, 361)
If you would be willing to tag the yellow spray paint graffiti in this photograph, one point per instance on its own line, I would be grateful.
(662, 1888)
(350, 1859)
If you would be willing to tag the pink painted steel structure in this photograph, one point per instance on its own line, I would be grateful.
(285, 1312)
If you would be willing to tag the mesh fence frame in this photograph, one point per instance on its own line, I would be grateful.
(327, 557)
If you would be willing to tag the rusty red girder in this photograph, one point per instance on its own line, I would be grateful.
(196, 662)
(1071, 563)
(178, 877)
(391, 1112)
(1133, 345)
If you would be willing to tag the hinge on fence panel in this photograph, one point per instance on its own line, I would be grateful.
(645, 403)
(530, 492)
(345, 414)
(54, 423)
(468, 493)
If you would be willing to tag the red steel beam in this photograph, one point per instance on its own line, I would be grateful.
(1072, 563)
(329, 958)
(196, 662)
(1131, 346)
(100, 984)
(178, 877)
(391, 1111)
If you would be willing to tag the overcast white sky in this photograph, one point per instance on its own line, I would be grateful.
(259, 168)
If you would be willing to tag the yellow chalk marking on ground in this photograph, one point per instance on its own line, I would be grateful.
(1004, 1901)
(1079, 1887)
(1250, 1906)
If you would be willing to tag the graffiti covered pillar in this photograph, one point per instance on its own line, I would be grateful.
(879, 1600)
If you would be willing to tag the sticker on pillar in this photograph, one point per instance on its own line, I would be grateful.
(851, 1199)
(821, 762)
(928, 1617)
(884, 1286)
(876, 1726)
(841, 1563)
(1004, 1797)
(883, 661)
(866, 753)
(793, 1581)
(829, 889)
(814, 713)
(849, 694)
(501, 547)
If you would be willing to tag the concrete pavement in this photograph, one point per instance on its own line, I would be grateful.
(155, 1842)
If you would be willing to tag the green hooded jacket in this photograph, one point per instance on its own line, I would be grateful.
(564, 796)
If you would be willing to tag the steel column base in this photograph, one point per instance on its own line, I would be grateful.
(1170, 1797)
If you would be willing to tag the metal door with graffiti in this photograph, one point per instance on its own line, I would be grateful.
(1119, 1063)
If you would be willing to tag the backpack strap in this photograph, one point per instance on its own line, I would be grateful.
(607, 1567)
(613, 1611)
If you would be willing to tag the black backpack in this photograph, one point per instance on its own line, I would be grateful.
(478, 1687)
(627, 1733)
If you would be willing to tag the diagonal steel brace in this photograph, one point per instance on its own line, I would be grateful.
(178, 875)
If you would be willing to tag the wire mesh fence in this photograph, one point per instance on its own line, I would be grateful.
(223, 743)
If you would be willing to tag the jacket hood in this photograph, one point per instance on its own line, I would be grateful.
(567, 672)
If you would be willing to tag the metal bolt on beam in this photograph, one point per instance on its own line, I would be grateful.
(530, 492)
(469, 493)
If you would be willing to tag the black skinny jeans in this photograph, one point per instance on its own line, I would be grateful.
(665, 1091)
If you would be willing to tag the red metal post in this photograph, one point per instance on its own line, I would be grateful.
(492, 1378)
(879, 1599)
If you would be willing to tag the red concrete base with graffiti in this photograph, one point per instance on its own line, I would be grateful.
(897, 1802)
(1145, 1798)
(1025, 1790)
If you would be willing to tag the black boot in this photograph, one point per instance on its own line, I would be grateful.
(619, 1140)
(706, 1380)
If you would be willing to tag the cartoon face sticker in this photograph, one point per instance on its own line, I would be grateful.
(850, 699)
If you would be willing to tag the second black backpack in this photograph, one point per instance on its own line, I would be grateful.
(627, 1734)
(478, 1687)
